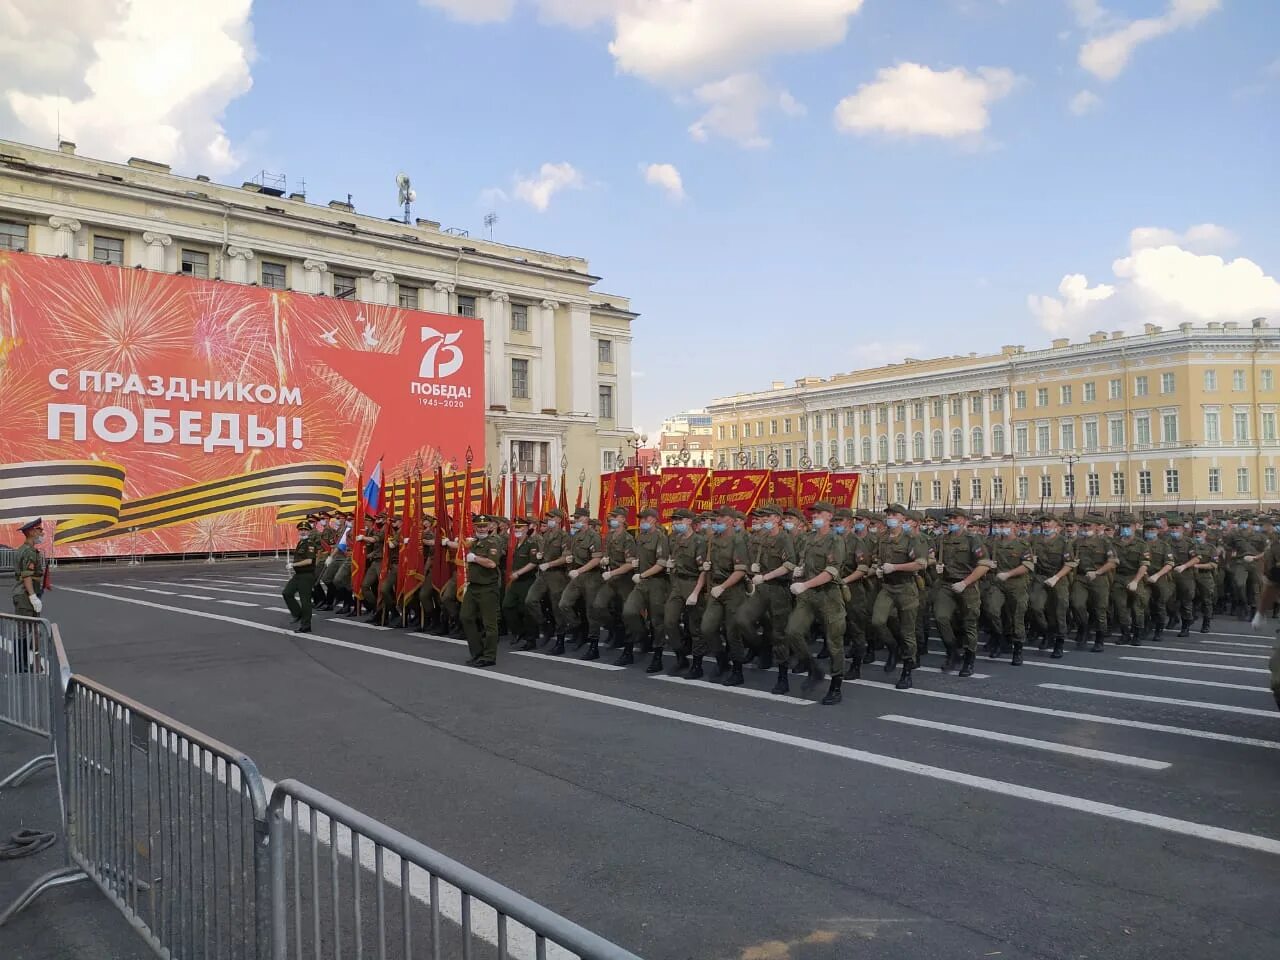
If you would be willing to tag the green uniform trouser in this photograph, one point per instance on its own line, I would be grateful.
(515, 608)
(548, 585)
(1091, 598)
(581, 589)
(1244, 582)
(957, 616)
(1184, 595)
(342, 575)
(1048, 607)
(369, 588)
(648, 601)
(610, 599)
(297, 594)
(1129, 606)
(330, 570)
(1206, 592)
(426, 597)
(1160, 599)
(387, 592)
(1275, 669)
(769, 607)
(1006, 604)
(857, 613)
(677, 607)
(480, 607)
(824, 602)
(719, 613)
(902, 600)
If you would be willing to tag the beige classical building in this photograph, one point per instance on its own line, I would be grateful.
(558, 352)
(1164, 419)
(686, 440)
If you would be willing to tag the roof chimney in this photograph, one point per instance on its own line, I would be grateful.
(139, 164)
(1151, 328)
(1184, 327)
(1060, 342)
(67, 146)
(1117, 334)
(778, 385)
(1098, 336)
(342, 205)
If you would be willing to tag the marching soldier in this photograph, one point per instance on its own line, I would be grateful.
(1207, 568)
(1160, 585)
(768, 604)
(387, 590)
(329, 572)
(816, 587)
(646, 604)
(1269, 572)
(515, 600)
(685, 599)
(1244, 550)
(859, 549)
(1129, 590)
(1091, 591)
(899, 557)
(1184, 551)
(373, 541)
(1012, 561)
(583, 554)
(480, 602)
(725, 563)
(552, 578)
(297, 592)
(1049, 598)
(960, 562)
(615, 583)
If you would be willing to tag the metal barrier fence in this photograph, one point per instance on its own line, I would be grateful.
(8, 559)
(25, 675)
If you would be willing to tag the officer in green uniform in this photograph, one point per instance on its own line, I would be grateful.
(331, 536)
(960, 561)
(549, 553)
(583, 554)
(297, 592)
(1207, 566)
(373, 545)
(1160, 585)
(767, 606)
(685, 600)
(615, 584)
(28, 590)
(1245, 549)
(899, 557)
(1184, 552)
(1091, 591)
(645, 606)
(386, 612)
(1129, 589)
(725, 562)
(1049, 597)
(858, 553)
(515, 599)
(815, 583)
(1012, 562)
(481, 601)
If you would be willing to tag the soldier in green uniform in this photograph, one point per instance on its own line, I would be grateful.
(1268, 566)
(899, 557)
(515, 599)
(873, 530)
(386, 612)
(645, 606)
(858, 553)
(767, 606)
(342, 591)
(1207, 566)
(481, 601)
(1049, 597)
(817, 589)
(1129, 589)
(1160, 585)
(724, 560)
(960, 561)
(1183, 552)
(1091, 591)
(615, 583)
(1012, 561)
(583, 554)
(1245, 549)
(28, 590)
(297, 592)
(373, 542)
(685, 600)
(332, 534)
(549, 553)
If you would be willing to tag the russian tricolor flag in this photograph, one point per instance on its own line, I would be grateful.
(373, 491)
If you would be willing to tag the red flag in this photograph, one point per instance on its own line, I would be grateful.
(439, 558)
(412, 557)
(624, 494)
(486, 500)
(500, 502)
(784, 487)
(461, 528)
(386, 534)
(564, 493)
(537, 496)
(606, 496)
(356, 545)
(579, 502)
(842, 489)
(550, 503)
(812, 488)
(740, 489)
(680, 488)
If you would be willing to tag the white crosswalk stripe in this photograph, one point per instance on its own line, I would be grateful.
(740, 691)
(1206, 653)
(1255, 646)
(241, 591)
(1193, 663)
(1142, 676)
(1172, 701)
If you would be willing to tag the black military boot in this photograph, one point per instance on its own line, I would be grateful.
(695, 670)
(816, 675)
(823, 653)
(1097, 642)
(1017, 653)
(1080, 637)
(966, 667)
(593, 649)
(655, 665)
(646, 642)
(995, 646)
(722, 663)
(890, 659)
(870, 656)
(1057, 649)
(1044, 641)
(782, 686)
(682, 663)
(625, 659)
(558, 649)
(376, 617)
(1204, 624)
(735, 678)
(1135, 637)
(904, 681)
(765, 660)
(833, 692)
(854, 670)
(530, 643)
(949, 663)
(1157, 631)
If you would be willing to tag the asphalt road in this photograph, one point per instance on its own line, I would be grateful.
(1138, 817)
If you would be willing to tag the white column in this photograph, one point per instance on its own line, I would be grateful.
(157, 243)
(313, 273)
(857, 436)
(907, 431)
(888, 432)
(64, 236)
(966, 440)
(383, 287)
(1005, 404)
(238, 260)
(986, 423)
(581, 368)
(444, 296)
(546, 335)
(622, 364)
(496, 325)
(826, 445)
(808, 441)
(946, 428)
(840, 415)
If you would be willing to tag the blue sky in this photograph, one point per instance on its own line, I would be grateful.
(955, 182)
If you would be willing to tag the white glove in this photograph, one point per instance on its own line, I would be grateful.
(888, 568)
(1256, 622)
(288, 566)
(716, 592)
(670, 563)
(573, 574)
(797, 572)
(939, 567)
(36, 603)
(471, 558)
(755, 568)
(1002, 576)
(1092, 575)
(958, 586)
(606, 575)
(636, 578)
(1051, 582)
(544, 567)
(1153, 579)
(1133, 586)
(1249, 559)
(706, 567)
(691, 600)
(758, 579)
(797, 588)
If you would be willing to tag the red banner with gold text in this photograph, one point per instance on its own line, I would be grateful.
(681, 488)
(740, 489)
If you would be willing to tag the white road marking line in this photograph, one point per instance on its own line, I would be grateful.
(237, 603)
(1093, 691)
(741, 691)
(195, 596)
(1193, 663)
(1144, 676)
(1255, 646)
(128, 586)
(1164, 648)
(359, 623)
(976, 676)
(594, 664)
(279, 610)
(1186, 828)
(1090, 717)
(1049, 745)
(236, 590)
(1234, 636)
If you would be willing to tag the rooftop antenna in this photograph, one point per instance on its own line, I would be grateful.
(406, 193)
(489, 220)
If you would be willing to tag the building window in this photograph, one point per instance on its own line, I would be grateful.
(1091, 435)
(899, 491)
(786, 425)
(608, 463)
(1242, 480)
(997, 487)
(1268, 426)
(1069, 486)
(850, 451)
(773, 428)
(1144, 483)
(1269, 479)
(1094, 485)
(605, 350)
(935, 487)
(1237, 380)
(108, 250)
(937, 409)
(817, 421)
(1020, 438)
(195, 263)
(866, 449)
(1115, 437)
(1215, 480)
(1171, 484)
(1090, 392)
(955, 406)
(1020, 400)
(1266, 380)
(466, 305)
(721, 432)
(1166, 383)
(976, 444)
(997, 441)
(866, 416)
(520, 379)
(884, 448)
(733, 431)
(1024, 488)
(1140, 386)
(900, 413)
(917, 410)
(817, 454)
(13, 236)
(1241, 419)
(1212, 430)
(520, 317)
(955, 490)
(1067, 436)
(975, 403)
(273, 275)
(917, 491)
(1169, 428)
(1046, 487)
(1113, 389)
(533, 456)
(882, 415)
(406, 297)
(957, 442)
(1210, 380)
(344, 288)
(997, 402)
(1117, 484)
(786, 457)
(1042, 397)
(746, 431)
(803, 422)
(937, 445)
(606, 402)
(1065, 395)
(1042, 438)
(975, 489)
(900, 448)
(1142, 430)
(917, 443)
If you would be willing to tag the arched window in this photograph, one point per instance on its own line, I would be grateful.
(997, 440)
(975, 442)
(900, 448)
(937, 445)
(917, 446)
(957, 442)
(884, 448)
(866, 449)
(817, 453)
(850, 451)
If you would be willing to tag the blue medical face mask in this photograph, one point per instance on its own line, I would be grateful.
(1176, 534)
(1257, 528)
(953, 528)
(577, 527)
(768, 525)
(859, 528)
(645, 526)
(614, 523)
(680, 528)
(819, 523)
(719, 528)
(788, 525)
(1148, 534)
(552, 523)
(840, 528)
(1201, 538)
(1126, 531)
(892, 523)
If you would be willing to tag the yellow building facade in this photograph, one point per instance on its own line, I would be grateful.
(1183, 419)
(557, 352)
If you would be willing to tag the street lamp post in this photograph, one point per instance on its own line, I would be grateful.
(1071, 459)
(874, 471)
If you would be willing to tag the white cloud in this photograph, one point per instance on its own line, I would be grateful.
(473, 11)
(1162, 281)
(1107, 55)
(1088, 13)
(148, 78)
(666, 176)
(578, 13)
(1083, 102)
(879, 353)
(913, 100)
(734, 108)
(551, 179)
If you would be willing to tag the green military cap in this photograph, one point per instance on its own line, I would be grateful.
(1151, 523)
(897, 508)
(725, 511)
(304, 524)
(706, 515)
(823, 506)
(795, 512)
(555, 512)
(681, 513)
(1094, 518)
(615, 512)
(1045, 518)
(997, 518)
(649, 512)
(737, 514)
(1176, 520)
(581, 512)
(957, 512)
(876, 515)
(844, 513)
(769, 510)
(522, 521)
(1127, 518)
(915, 515)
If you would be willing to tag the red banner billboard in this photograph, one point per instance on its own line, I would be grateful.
(740, 489)
(681, 488)
(151, 413)
(784, 488)
(842, 489)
